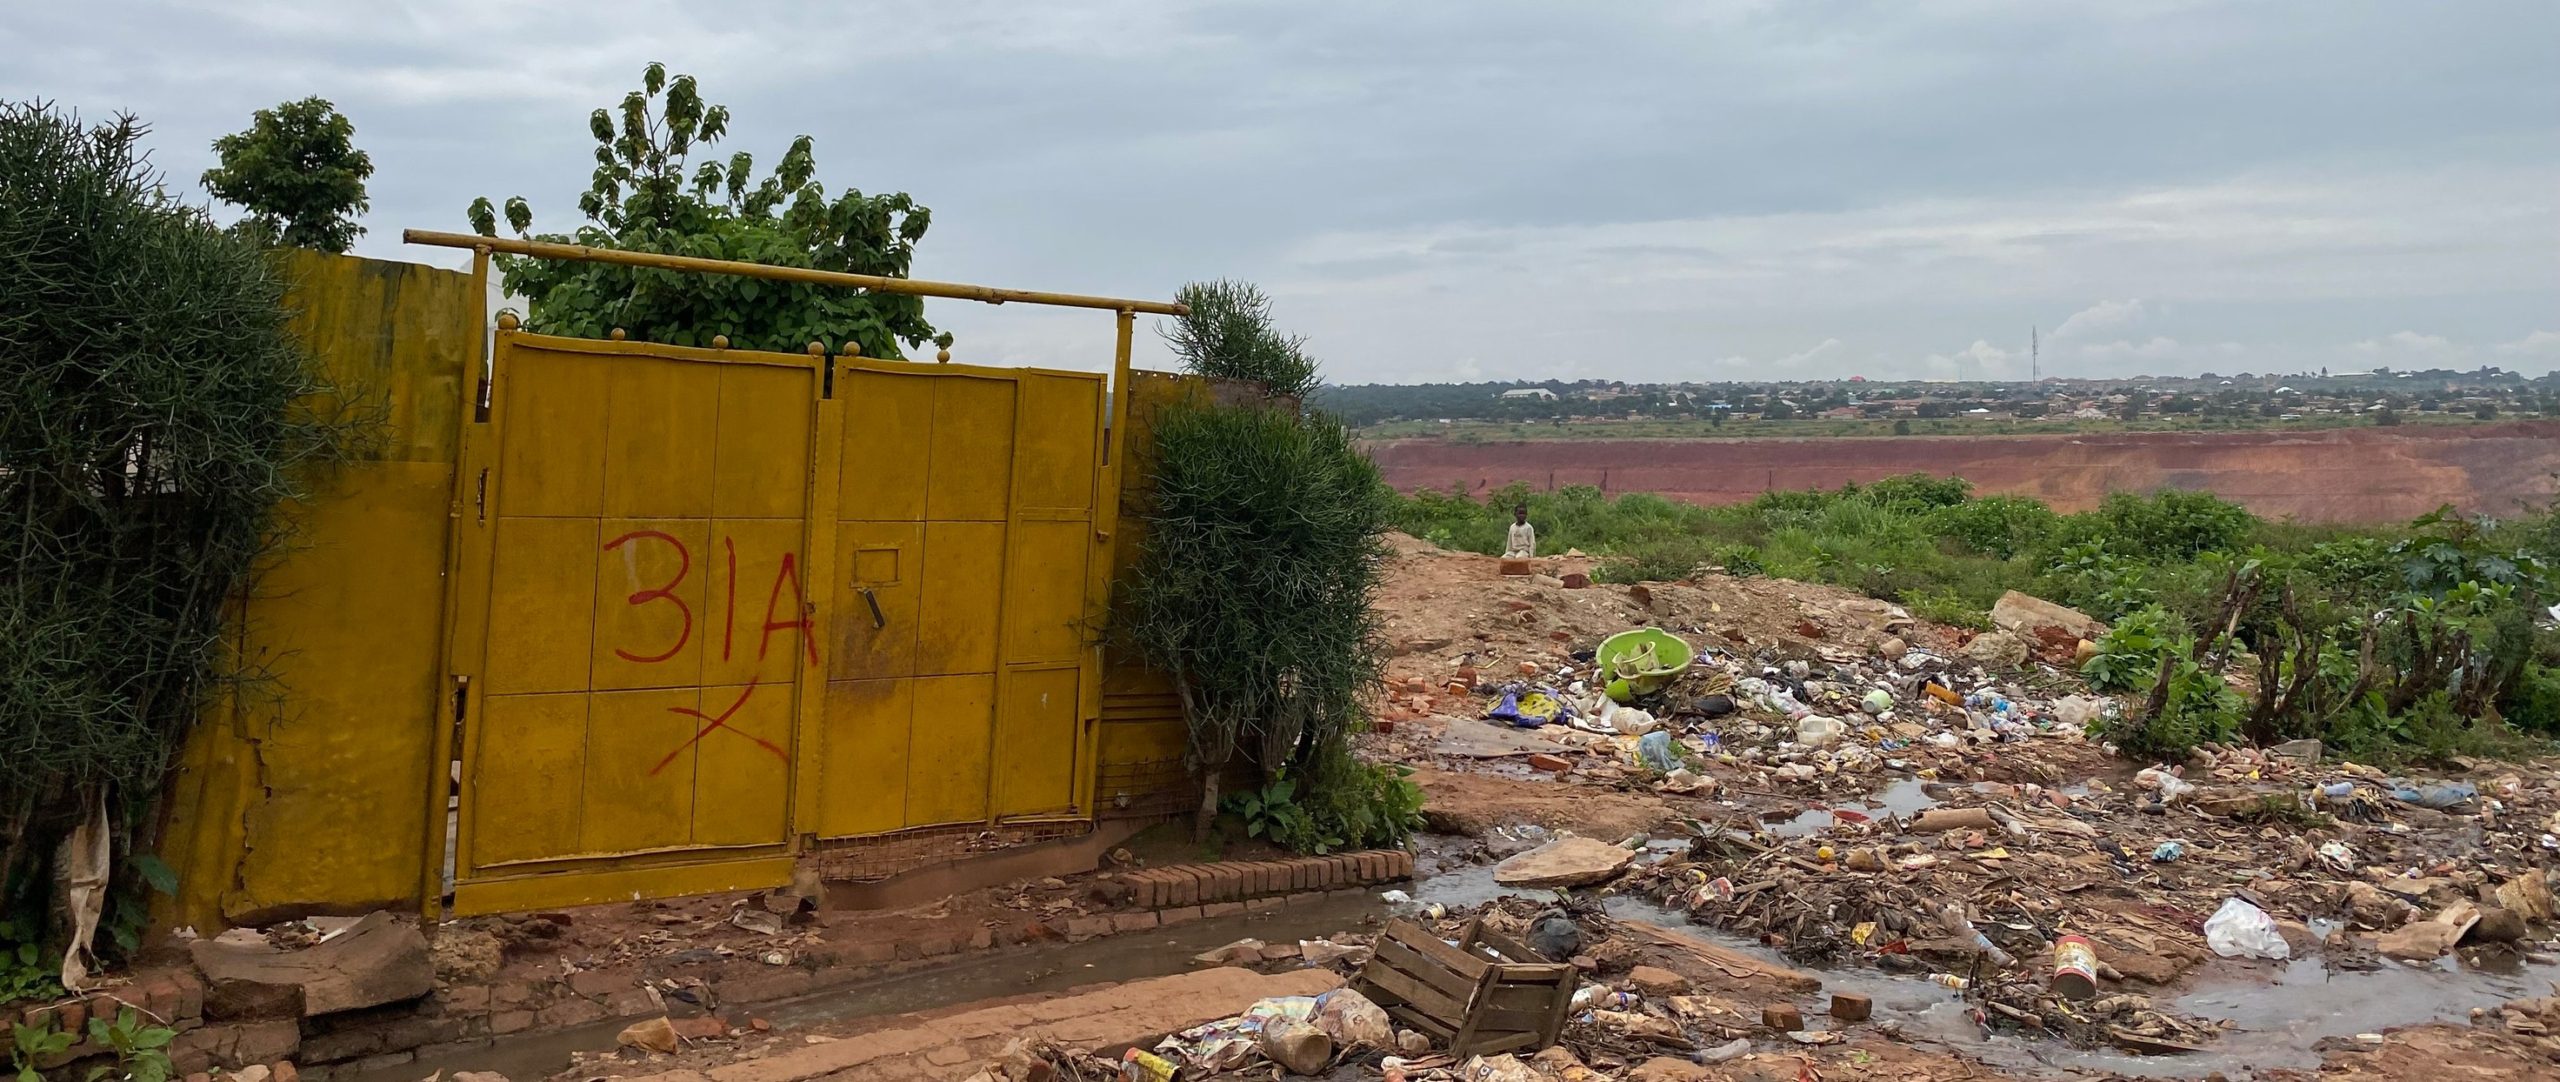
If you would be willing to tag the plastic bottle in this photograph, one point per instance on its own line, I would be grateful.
(1949, 980)
(1600, 997)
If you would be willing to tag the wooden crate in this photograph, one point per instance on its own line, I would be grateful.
(1488, 994)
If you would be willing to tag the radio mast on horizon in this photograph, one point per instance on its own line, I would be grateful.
(2035, 364)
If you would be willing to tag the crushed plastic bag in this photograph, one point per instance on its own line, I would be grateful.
(2443, 794)
(1654, 750)
(1530, 708)
(2241, 930)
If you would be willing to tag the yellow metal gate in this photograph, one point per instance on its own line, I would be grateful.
(716, 606)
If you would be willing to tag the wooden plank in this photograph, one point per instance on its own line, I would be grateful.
(1405, 987)
(1414, 1019)
(1512, 950)
(1486, 1046)
(1402, 958)
(1524, 997)
(1407, 934)
(1508, 1020)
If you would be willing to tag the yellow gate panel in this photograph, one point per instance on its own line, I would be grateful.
(971, 471)
(742, 765)
(649, 604)
(543, 595)
(949, 738)
(1059, 420)
(877, 599)
(761, 459)
(527, 780)
(640, 769)
(756, 624)
(1044, 604)
(963, 585)
(553, 457)
(1036, 760)
(863, 778)
(663, 422)
(888, 428)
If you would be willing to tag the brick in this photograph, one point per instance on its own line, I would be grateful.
(264, 1042)
(190, 994)
(1228, 883)
(938, 944)
(982, 939)
(1221, 909)
(1403, 863)
(465, 999)
(1262, 905)
(569, 1012)
(1134, 922)
(1341, 870)
(1146, 889)
(780, 983)
(1851, 1008)
(1552, 764)
(1275, 877)
(1082, 928)
(505, 1022)
(1782, 1016)
(1180, 914)
(1186, 886)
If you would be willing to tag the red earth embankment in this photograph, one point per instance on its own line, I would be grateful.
(2326, 475)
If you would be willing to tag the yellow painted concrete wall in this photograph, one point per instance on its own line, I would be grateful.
(307, 791)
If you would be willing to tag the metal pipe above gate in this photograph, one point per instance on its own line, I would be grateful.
(540, 249)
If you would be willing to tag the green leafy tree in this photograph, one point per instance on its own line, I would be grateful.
(650, 195)
(297, 173)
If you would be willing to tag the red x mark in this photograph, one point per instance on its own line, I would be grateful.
(721, 722)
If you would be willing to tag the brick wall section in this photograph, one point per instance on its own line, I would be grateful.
(1187, 885)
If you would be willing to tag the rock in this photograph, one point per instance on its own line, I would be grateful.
(652, 1035)
(2374, 907)
(1657, 982)
(466, 955)
(1667, 1069)
(255, 1072)
(1552, 764)
(1298, 1046)
(283, 1070)
(1576, 580)
(1556, 936)
(1715, 706)
(1892, 648)
(2300, 751)
(2021, 614)
(1242, 952)
(477, 1076)
(2082, 651)
(2423, 941)
(1783, 1017)
(1547, 580)
(2497, 926)
(377, 960)
(1849, 1007)
(1996, 648)
(1564, 862)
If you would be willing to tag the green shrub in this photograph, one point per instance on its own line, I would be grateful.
(1947, 607)
(2000, 526)
(1251, 590)
(2128, 656)
(1346, 804)
(2169, 524)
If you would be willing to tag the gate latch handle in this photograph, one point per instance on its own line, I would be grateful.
(877, 620)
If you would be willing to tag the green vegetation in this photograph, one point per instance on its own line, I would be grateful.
(2424, 640)
(644, 200)
(154, 424)
(297, 173)
(1251, 591)
(140, 1047)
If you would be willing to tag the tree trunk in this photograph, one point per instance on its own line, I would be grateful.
(1208, 804)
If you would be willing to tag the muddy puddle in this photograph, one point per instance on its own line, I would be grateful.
(990, 975)
(2278, 1014)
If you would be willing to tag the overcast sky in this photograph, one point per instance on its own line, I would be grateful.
(1474, 189)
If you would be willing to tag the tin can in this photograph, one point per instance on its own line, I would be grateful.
(2075, 967)
(1140, 1065)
